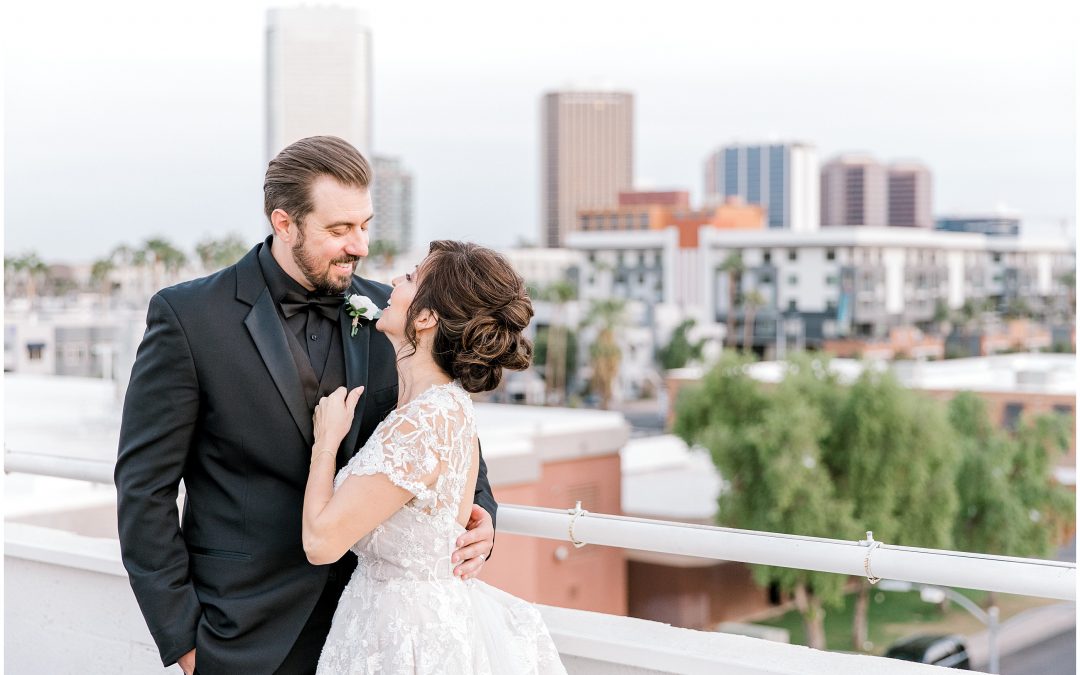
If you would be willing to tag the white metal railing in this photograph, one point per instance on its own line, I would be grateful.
(94, 471)
(1022, 576)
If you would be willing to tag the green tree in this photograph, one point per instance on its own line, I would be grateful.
(27, 270)
(162, 252)
(556, 356)
(893, 456)
(768, 447)
(383, 250)
(608, 315)
(752, 302)
(99, 275)
(1009, 502)
(680, 350)
(542, 355)
(215, 254)
(733, 267)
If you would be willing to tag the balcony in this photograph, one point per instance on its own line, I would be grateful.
(69, 607)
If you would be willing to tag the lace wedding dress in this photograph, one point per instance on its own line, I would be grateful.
(404, 611)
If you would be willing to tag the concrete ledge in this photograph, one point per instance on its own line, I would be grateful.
(625, 645)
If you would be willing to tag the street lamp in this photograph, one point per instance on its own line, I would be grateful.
(937, 594)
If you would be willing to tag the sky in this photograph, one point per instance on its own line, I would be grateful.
(125, 120)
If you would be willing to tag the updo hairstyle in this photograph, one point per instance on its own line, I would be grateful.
(482, 309)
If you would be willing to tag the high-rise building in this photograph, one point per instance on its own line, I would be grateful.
(782, 177)
(587, 156)
(853, 192)
(392, 201)
(910, 195)
(318, 76)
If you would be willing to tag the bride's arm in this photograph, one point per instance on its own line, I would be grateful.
(334, 521)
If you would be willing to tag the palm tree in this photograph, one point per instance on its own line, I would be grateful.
(733, 267)
(558, 293)
(384, 250)
(165, 257)
(605, 353)
(215, 254)
(27, 268)
(99, 274)
(752, 301)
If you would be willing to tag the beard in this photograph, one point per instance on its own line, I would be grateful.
(318, 274)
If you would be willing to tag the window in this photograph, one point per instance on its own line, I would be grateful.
(766, 257)
(35, 351)
(830, 254)
(592, 257)
(643, 221)
(641, 259)
(830, 280)
(792, 254)
(1063, 409)
(1011, 419)
(793, 280)
(792, 306)
(997, 257)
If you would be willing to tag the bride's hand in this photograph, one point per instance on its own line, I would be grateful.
(333, 418)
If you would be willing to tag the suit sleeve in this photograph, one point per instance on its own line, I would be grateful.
(483, 496)
(160, 413)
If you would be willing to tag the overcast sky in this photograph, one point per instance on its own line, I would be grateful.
(130, 119)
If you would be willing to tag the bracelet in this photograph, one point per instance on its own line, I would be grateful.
(320, 454)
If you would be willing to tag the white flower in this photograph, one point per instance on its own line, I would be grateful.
(361, 307)
(365, 306)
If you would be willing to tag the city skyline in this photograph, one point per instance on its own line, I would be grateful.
(456, 98)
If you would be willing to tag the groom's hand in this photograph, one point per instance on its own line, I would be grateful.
(475, 545)
(187, 662)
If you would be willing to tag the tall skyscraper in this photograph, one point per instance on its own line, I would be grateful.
(587, 156)
(392, 200)
(782, 177)
(318, 76)
(853, 192)
(910, 194)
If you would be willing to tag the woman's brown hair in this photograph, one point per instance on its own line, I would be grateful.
(482, 309)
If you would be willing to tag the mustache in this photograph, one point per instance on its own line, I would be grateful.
(347, 259)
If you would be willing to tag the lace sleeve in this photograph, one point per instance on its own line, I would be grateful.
(405, 449)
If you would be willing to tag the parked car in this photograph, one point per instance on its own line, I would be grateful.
(947, 651)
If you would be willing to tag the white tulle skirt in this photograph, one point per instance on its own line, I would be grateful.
(406, 627)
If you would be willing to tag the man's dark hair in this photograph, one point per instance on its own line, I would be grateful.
(289, 176)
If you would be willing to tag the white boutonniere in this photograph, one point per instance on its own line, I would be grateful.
(361, 307)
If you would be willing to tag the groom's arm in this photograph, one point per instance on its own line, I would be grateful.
(483, 497)
(160, 412)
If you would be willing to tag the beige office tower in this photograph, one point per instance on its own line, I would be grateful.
(910, 195)
(587, 156)
(853, 192)
(318, 76)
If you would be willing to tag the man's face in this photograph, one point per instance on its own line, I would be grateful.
(333, 236)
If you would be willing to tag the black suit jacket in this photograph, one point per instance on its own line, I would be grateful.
(215, 399)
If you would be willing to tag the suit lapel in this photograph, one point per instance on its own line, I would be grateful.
(356, 367)
(265, 328)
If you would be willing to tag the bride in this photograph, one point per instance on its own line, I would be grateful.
(456, 322)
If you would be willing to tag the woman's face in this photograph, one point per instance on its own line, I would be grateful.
(392, 320)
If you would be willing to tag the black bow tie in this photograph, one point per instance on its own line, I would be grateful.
(329, 306)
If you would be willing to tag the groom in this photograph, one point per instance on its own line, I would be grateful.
(221, 396)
